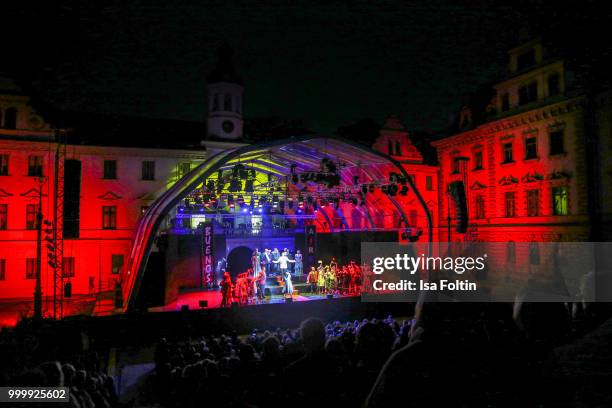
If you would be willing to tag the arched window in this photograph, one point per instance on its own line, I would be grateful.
(10, 118)
(398, 148)
(390, 147)
(227, 102)
(215, 106)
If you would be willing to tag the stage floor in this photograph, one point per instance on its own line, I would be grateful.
(213, 300)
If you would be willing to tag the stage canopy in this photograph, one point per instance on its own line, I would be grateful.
(313, 168)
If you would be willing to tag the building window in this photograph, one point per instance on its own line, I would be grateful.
(110, 169)
(456, 164)
(534, 253)
(511, 253)
(505, 102)
(30, 268)
(184, 168)
(390, 147)
(35, 166)
(109, 217)
(2, 269)
(556, 143)
(68, 267)
(215, 106)
(31, 213)
(560, 200)
(117, 264)
(398, 148)
(533, 203)
(3, 216)
(531, 148)
(507, 153)
(528, 93)
(10, 118)
(478, 163)
(429, 183)
(510, 204)
(525, 60)
(553, 85)
(479, 207)
(4, 164)
(148, 170)
(227, 102)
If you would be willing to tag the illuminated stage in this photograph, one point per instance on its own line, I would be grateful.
(317, 194)
(192, 300)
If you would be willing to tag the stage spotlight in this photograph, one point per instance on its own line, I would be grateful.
(393, 190)
(235, 185)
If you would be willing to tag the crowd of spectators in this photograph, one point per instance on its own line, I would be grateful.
(464, 359)
(458, 356)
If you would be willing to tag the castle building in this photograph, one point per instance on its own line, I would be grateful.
(532, 154)
(100, 175)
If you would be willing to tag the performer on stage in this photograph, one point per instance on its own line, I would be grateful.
(275, 256)
(311, 279)
(266, 259)
(299, 266)
(320, 278)
(256, 262)
(333, 265)
(283, 262)
(288, 284)
(226, 290)
(261, 284)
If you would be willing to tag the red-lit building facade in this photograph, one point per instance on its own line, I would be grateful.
(534, 158)
(104, 194)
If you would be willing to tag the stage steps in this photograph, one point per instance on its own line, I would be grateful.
(273, 286)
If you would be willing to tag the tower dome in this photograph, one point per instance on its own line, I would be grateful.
(225, 91)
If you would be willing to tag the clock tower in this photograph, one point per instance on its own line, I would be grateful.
(224, 98)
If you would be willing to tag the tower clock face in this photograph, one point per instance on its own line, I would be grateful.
(228, 126)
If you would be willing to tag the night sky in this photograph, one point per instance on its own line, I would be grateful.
(329, 65)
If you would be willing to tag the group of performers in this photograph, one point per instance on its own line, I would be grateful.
(277, 262)
(334, 279)
(250, 286)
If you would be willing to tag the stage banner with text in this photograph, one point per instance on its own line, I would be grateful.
(487, 272)
(310, 232)
(207, 275)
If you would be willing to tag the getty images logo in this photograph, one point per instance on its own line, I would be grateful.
(407, 263)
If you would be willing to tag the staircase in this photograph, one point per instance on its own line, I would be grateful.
(274, 287)
(105, 304)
